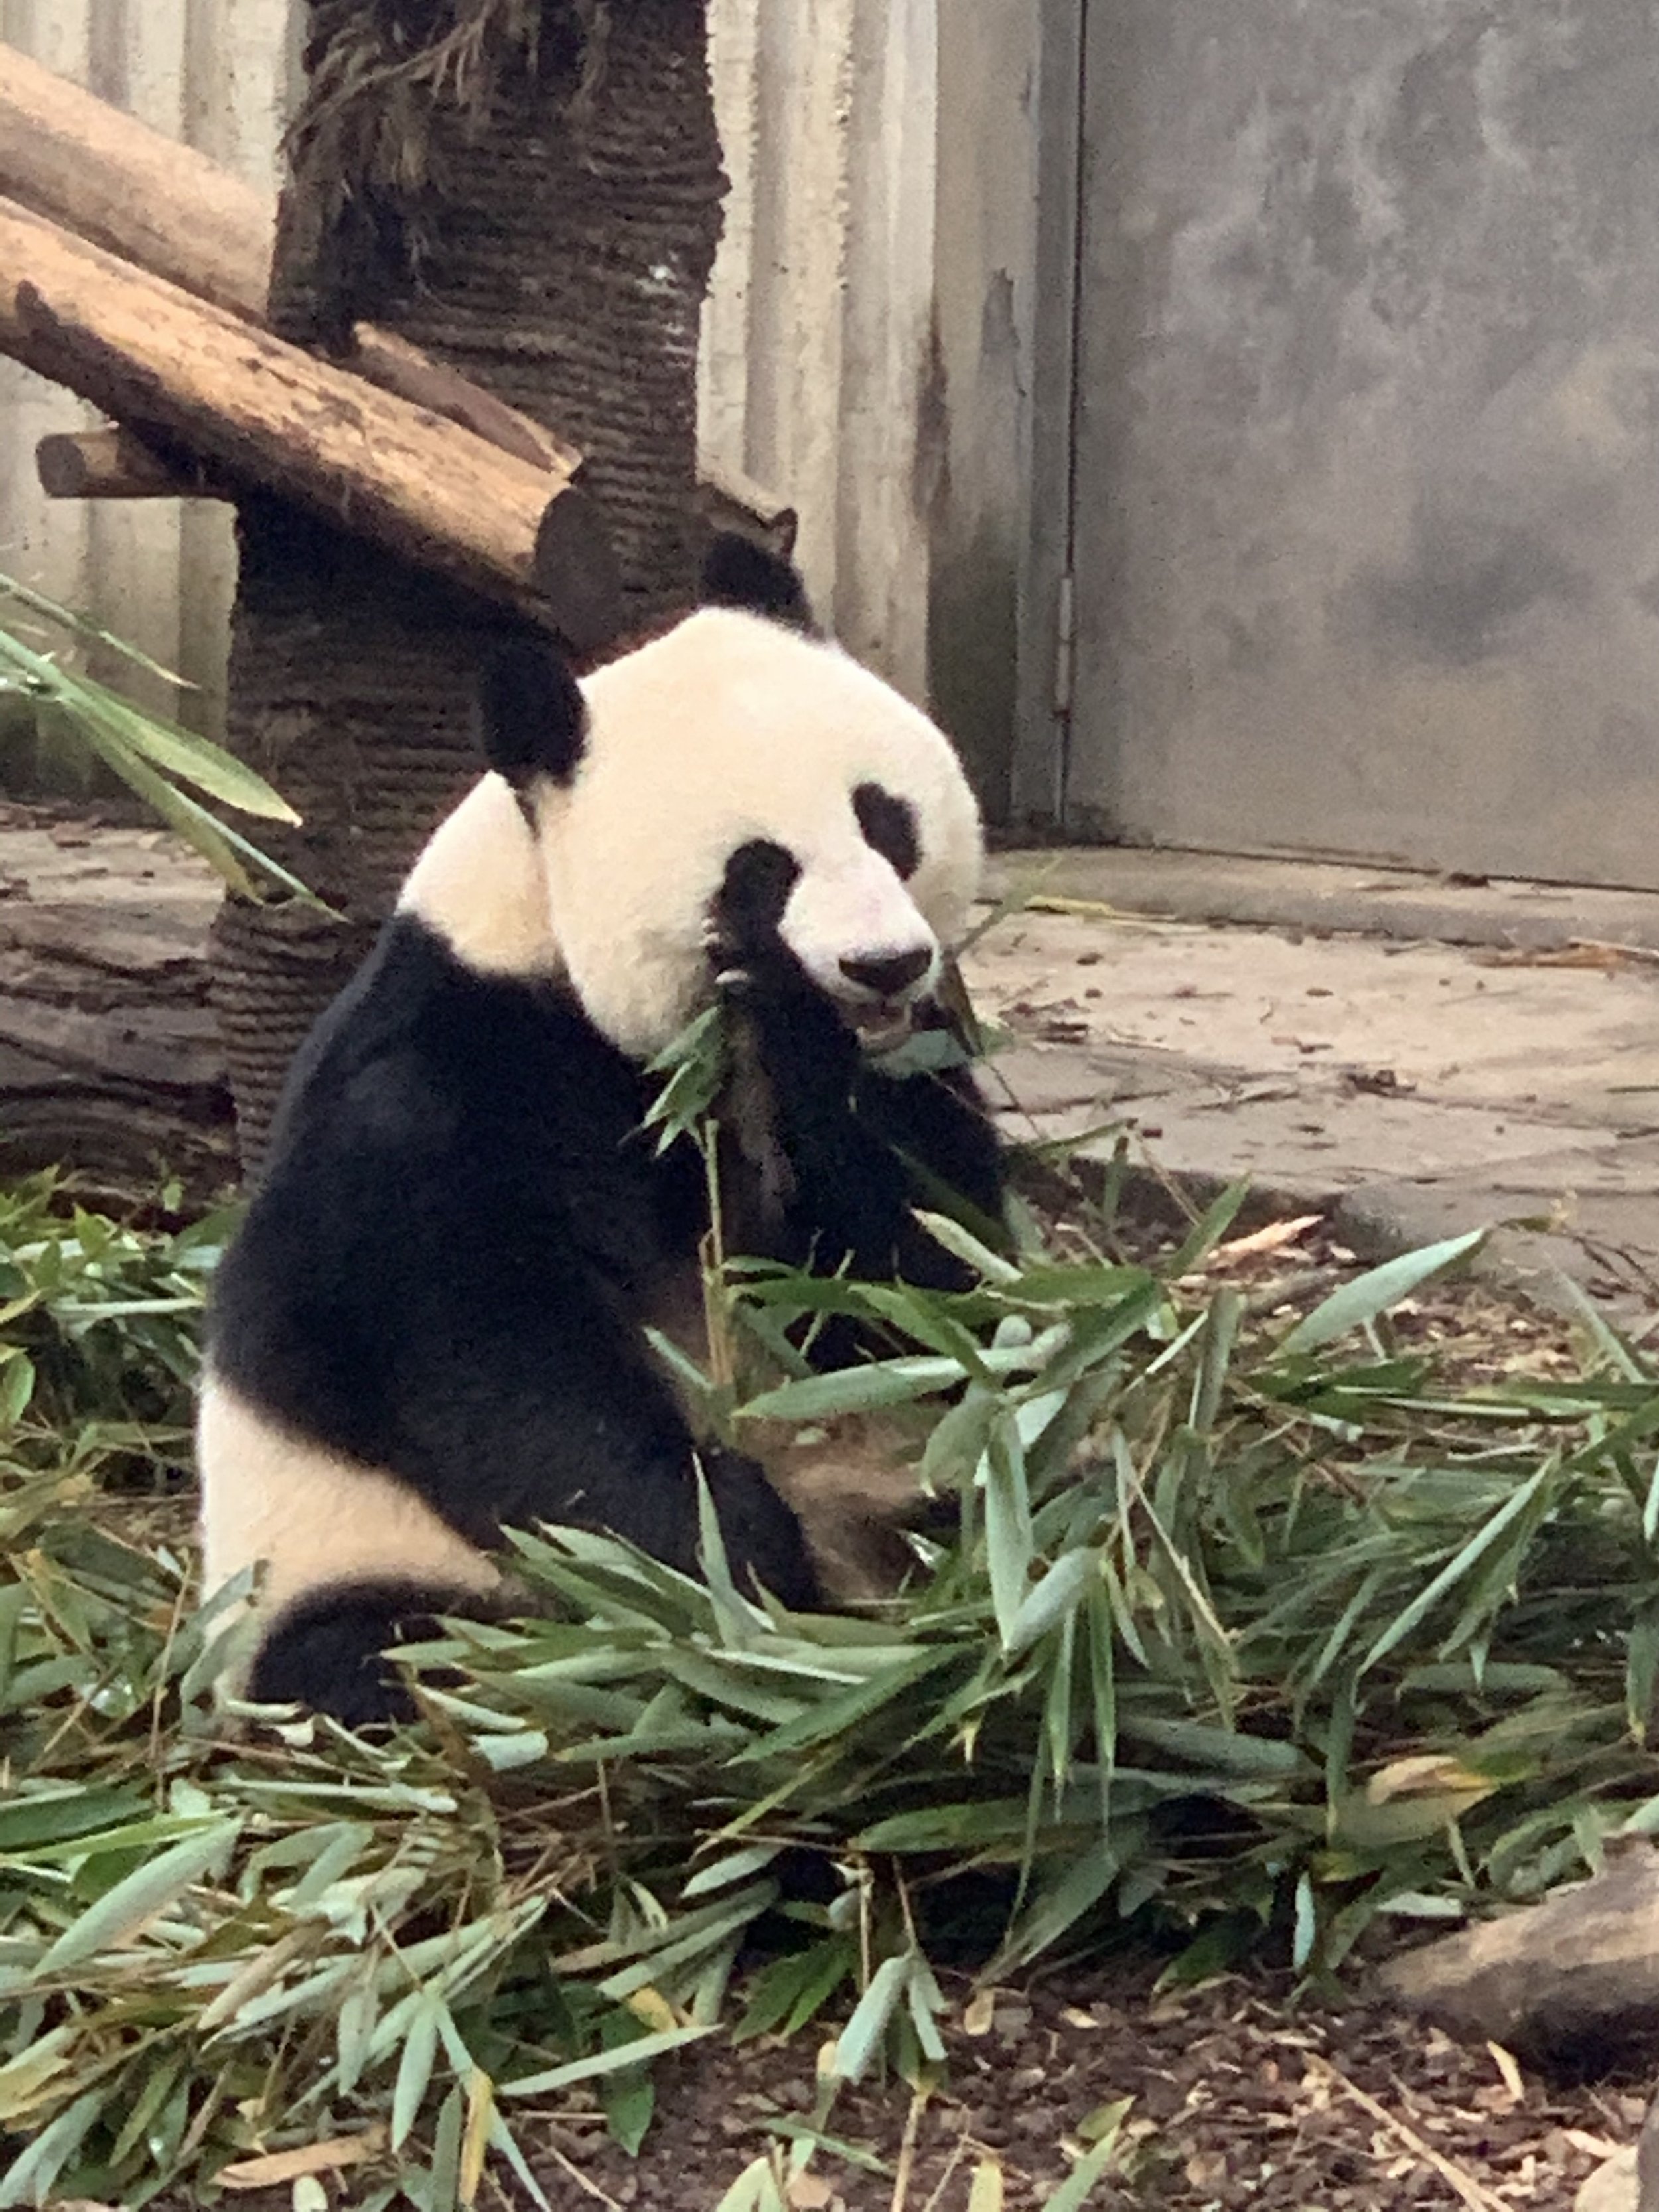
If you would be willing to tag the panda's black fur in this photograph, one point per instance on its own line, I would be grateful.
(461, 1232)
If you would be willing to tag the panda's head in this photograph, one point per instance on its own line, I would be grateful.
(736, 781)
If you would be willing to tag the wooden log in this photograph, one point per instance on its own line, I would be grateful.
(110, 1060)
(268, 414)
(72, 156)
(385, 360)
(121, 461)
(118, 463)
(110, 178)
(732, 500)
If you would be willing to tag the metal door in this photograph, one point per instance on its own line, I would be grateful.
(1365, 519)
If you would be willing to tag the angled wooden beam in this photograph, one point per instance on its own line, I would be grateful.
(110, 178)
(118, 462)
(267, 413)
(113, 180)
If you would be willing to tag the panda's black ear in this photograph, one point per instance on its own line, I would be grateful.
(738, 573)
(532, 719)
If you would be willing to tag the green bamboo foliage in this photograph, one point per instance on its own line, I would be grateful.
(164, 764)
(1257, 1632)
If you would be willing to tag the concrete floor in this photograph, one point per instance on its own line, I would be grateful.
(1331, 1048)
(1418, 1056)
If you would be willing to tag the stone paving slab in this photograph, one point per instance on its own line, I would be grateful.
(1413, 1089)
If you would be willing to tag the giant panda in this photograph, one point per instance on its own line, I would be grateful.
(432, 1322)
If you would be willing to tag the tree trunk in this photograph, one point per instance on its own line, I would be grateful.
(564, 235)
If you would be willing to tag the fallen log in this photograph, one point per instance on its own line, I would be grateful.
(105, 176)
(268, 414)
(110, 1058)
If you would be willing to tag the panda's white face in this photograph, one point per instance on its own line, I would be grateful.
(732, 771)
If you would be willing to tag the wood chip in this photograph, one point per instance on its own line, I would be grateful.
(1473, 2193)
(1273, 1238)
(1505, 2062)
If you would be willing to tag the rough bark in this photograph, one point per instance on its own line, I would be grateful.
(267, 413)
(563, 268)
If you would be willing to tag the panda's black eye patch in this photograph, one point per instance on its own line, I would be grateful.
(754, 892)
(889, 827)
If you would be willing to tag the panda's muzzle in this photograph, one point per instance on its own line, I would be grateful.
(847, 923)
(885, 987)
(892, 974)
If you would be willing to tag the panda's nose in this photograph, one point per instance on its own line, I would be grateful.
(887, 978)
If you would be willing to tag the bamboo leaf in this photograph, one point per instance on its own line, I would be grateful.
(604, 2061)
(1074, 2192)
(862, 2037)
(123, 1912)
(1373, 1293)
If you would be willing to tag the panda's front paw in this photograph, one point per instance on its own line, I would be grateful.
(727, 964)
(736, 985)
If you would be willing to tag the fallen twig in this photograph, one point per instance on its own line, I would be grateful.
(1475, 2194)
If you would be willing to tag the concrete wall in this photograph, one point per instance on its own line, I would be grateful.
(985, 289)
(868, 348)
(1367, 472)
(816, 332)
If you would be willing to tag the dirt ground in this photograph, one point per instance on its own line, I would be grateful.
(1240, 2095)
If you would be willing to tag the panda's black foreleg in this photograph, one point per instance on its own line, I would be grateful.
(765, 1544)
(849, 1135)
(327, 1651)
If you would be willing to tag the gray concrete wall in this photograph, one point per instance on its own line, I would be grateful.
(977, 402)
(1368, 520)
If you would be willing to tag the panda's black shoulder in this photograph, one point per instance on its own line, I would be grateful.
(439, 1107)
(457, 1154)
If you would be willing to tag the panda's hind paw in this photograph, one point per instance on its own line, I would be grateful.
(328, 1651)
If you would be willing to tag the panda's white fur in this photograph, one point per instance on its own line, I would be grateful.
(598, 883)
(310, 1518)
(685, 758)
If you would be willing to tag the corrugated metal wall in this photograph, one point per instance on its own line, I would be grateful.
(818, 346)
(820, 373)
(216, 73)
